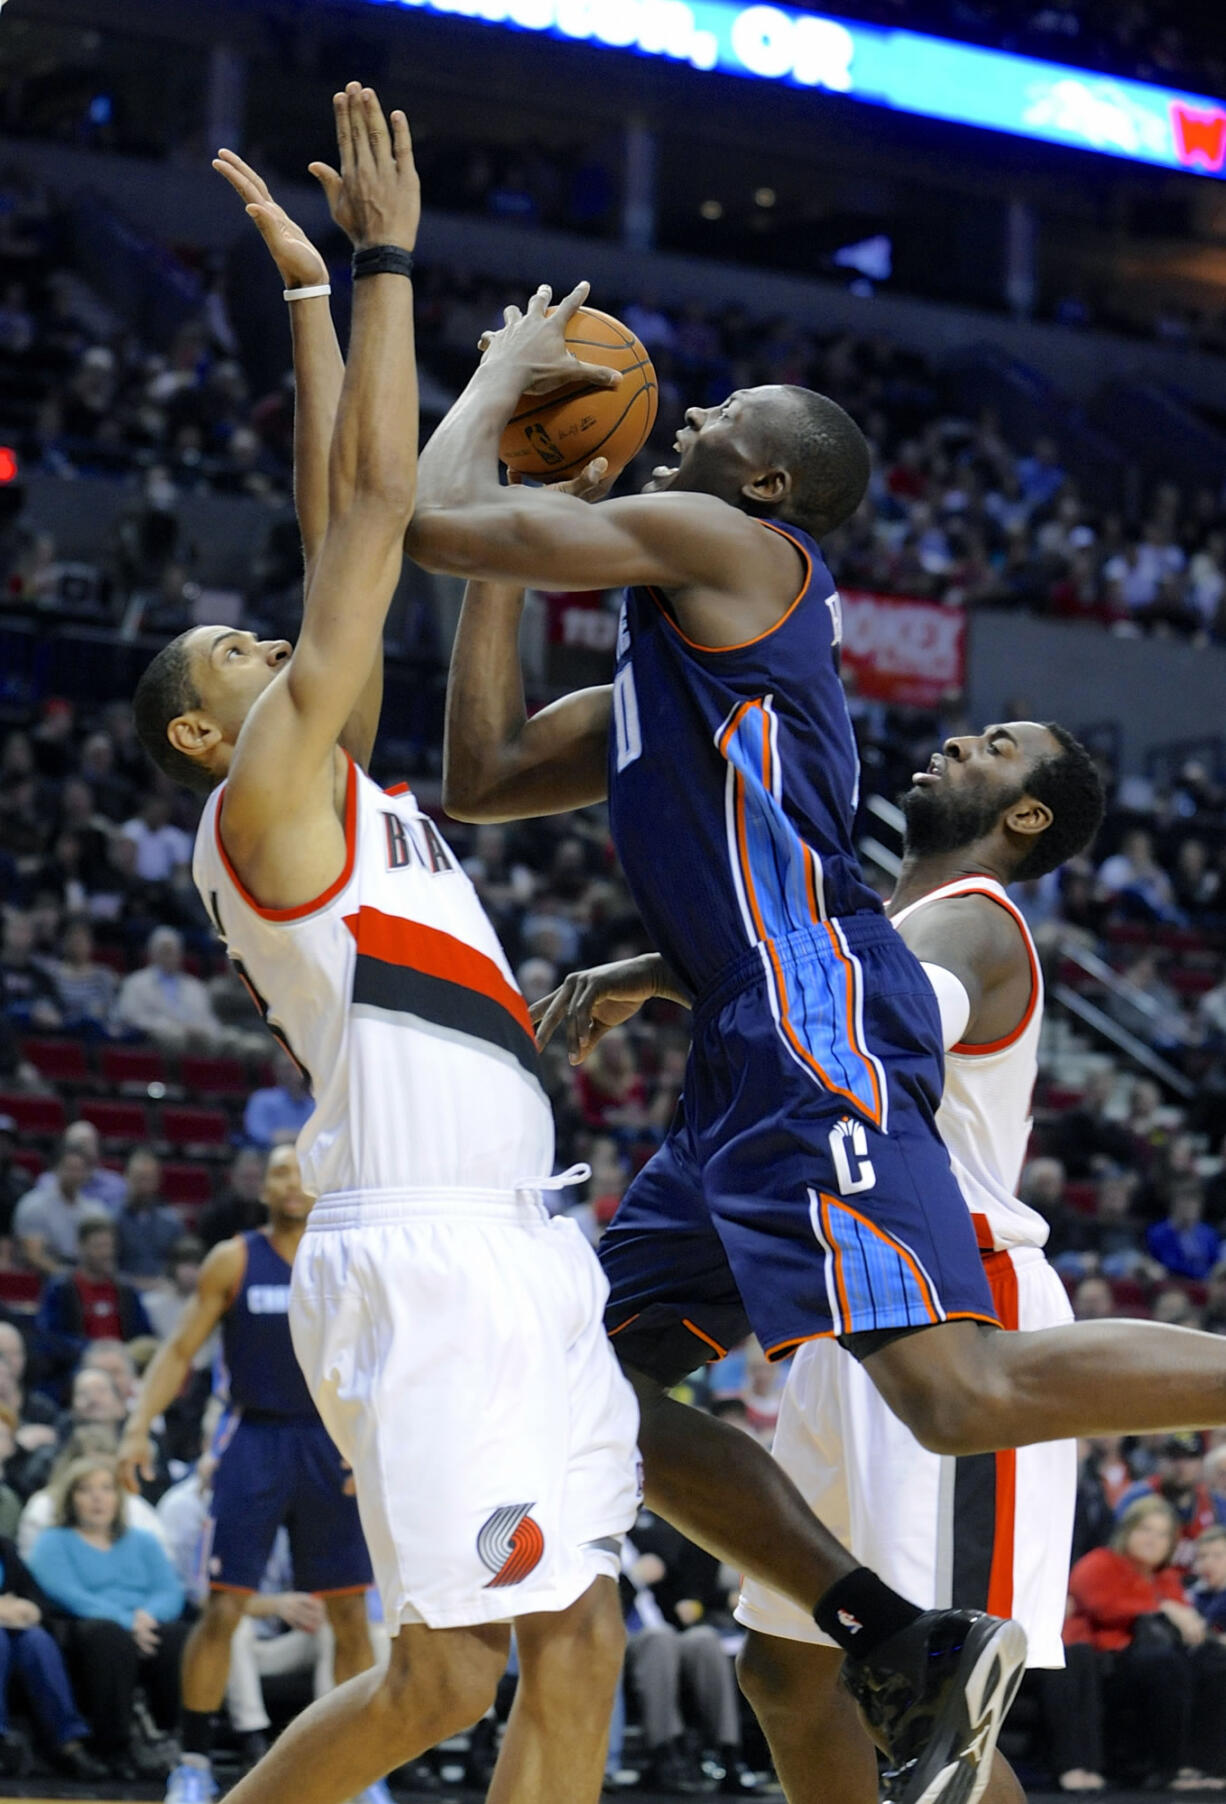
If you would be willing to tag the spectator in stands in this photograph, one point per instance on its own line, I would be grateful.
(102, 1187)
(47, 1220)
(165, 1302)
(1214, 1319)
(34, 1417)
(1128, 1602)
(670, 1590)
(10, 1502)
(1133, 877)
(165, 1003)
(1147, 1007)
(611, 1093)
(1093, 1301)
(87, 989)
(90, 1302)
(1211, 1011)
(281, 1110)
(29, 1652)
(240, 1205)
(28, 989)
(1184, 1244)
(87, 1441)
(14, 1179)
(1209, 1592)
(125, 1604)
(1180, 1480)
(1173, 1305)
(146, 1225)
(114, 1357)
(1086, 1138)
(163, 851)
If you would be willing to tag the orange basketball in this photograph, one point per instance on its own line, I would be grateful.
(551, 437)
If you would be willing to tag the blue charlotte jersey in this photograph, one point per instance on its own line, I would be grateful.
(263, 1376)
(734, 779)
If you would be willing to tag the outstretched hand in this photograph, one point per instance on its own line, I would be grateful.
(589, 1003)
(534, 344)
(376, 197)
(299, 263)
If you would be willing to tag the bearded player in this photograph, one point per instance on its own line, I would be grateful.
(449, 1332)
(993, 1530)
(725, 750)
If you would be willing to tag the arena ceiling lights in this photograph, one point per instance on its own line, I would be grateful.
(906, 70)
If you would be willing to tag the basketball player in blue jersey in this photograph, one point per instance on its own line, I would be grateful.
(804, 1186)
(277, 1466)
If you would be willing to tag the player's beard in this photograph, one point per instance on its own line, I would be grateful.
(939, 820)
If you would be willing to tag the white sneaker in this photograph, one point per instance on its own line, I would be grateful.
(191, 1784)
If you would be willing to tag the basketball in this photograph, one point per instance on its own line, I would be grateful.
(551, 437)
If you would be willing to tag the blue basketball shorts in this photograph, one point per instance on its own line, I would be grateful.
(283, 1471)
(803, 1189)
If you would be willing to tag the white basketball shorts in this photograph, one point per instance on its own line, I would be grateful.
(989, 1532)
(454, 1345)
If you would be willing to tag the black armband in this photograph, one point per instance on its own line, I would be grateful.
(382, 260)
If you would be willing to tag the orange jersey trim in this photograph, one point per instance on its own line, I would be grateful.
(706, 1340)
(976, 1050)
(393, 940)
(343, 1591)
(610, 1332)
(334, 889)
(744, 644)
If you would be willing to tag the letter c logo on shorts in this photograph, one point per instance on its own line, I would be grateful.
(849, 1142)
(510, 1544)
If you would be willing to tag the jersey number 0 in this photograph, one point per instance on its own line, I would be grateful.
(626, 727)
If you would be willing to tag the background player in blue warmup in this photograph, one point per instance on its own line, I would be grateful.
(277, 1465)
(804, 1185)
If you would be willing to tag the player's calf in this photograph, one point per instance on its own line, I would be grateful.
(819, 1745)
(557, 1737)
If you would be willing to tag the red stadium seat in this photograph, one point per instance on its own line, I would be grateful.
(30, 1161)
(123, 1121)
(196, 1127)
(20, 1290)
(1128, 1293)
(59, 1061)
(132, 1067)
(42, 1116)
(1082, 1196)
(214, 1077)
(188, 1187)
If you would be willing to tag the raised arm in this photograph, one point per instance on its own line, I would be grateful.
(220, 1276)
(283, 774)
(319, 370)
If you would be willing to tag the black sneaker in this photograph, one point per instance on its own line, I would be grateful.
(937, 1694)
(15, 1756)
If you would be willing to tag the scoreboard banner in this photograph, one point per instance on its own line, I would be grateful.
(909, 71)
(912, 653)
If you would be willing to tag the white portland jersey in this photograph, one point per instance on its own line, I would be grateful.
(392, 992)
(984, 1117)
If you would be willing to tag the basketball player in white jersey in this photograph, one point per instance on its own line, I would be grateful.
(450, 1332)
(992, 1531)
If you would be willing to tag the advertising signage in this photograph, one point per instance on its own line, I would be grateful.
(909, 71)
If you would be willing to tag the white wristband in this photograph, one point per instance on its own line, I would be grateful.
(306, 294)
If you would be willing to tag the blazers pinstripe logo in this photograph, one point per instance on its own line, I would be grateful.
(510, 1544)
